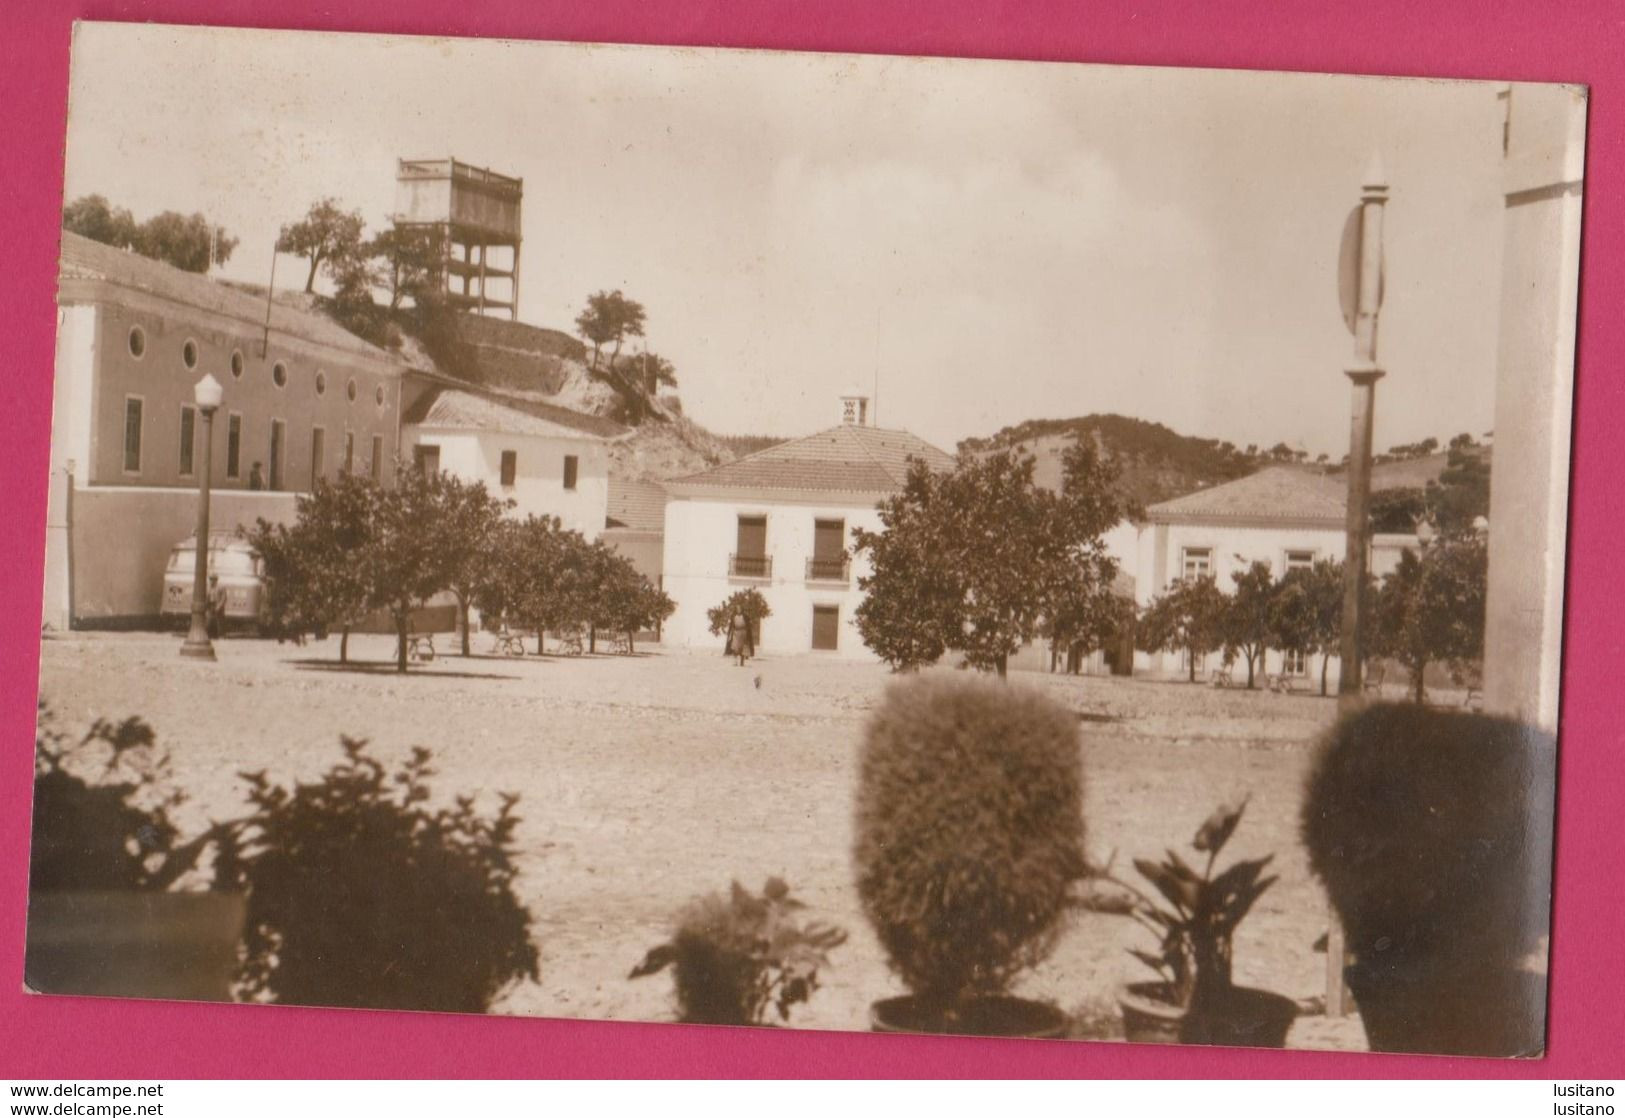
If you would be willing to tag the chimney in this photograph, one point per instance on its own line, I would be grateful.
(854, 410)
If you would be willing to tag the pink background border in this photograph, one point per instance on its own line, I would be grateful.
(1577, 41)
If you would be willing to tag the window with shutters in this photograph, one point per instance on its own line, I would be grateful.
(750, 558)
(279, 438)
(132, 434)
(510, 468)
(188, 439)
(829, 560)
(826, 628)
(234, 445)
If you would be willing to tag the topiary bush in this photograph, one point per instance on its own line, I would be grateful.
(1432, 831)
(732, 957)
(1429, 827)
(361, 895)
(969, 831)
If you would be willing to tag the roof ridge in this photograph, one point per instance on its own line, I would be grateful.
(872, 456)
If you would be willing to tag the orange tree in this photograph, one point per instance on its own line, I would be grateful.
(1188, 617)
(974, 560)
(1245, 625)
(1431, 608)
(1306, 614)
(315, 569)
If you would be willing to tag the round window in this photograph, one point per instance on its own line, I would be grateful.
(279, 374)
(321, 382)
(378, 394)
(236, 363)
(350, 390)
(189, 354)
(138, 341)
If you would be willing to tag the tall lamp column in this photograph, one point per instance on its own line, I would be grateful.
(1361, 283)
(207, 394)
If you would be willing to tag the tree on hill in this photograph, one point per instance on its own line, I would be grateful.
(609, 319)
(1245, 626)
(1188, 617)
(1306, 615)
(92, 216)
(315, 577)
(1431, 608)
(412, 263)
(187, 242)
(651, 372)
(328, 237)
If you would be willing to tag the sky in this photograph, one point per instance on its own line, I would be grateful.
(973, 243)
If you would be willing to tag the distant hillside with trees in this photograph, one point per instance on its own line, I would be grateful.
(1154, 462)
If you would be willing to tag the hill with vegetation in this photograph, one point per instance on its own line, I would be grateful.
(1155, 462)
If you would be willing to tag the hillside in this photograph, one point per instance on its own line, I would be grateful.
(1156, 462)
(526, 362)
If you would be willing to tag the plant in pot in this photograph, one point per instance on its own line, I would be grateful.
(734, 957)
(105, 914)
(1432, 831)
(361, 894)
(969, 837)
(1195, 1000)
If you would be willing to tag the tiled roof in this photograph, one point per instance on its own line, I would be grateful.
(638, 505)
(845, 459)
(85, 259)
(444, 406)
(1284, 493)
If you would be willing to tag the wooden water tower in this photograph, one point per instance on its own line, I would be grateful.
(476, 211)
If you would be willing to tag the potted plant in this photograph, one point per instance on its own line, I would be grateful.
(104, 914)
(969, 836)
(361, 895)
(732, 957)
(1194, 1000)
(1432, 831)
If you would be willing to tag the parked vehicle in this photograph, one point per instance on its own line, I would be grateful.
(234, 560)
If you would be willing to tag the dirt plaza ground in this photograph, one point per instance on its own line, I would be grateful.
(648, 779)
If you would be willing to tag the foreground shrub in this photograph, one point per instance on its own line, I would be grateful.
(1432, 829)
(732, 957)
(969, 831)
(360, 895)
(1433, 833)
(101, 810)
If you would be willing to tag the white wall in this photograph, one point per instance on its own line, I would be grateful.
(538, 487)
(1235, 547)
(701, 533)
(1534, 401)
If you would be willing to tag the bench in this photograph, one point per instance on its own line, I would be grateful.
(509, 644)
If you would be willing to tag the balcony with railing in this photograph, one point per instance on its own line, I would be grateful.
(838, 569)
(750, 566)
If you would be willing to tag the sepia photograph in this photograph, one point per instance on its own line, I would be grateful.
(806, 541)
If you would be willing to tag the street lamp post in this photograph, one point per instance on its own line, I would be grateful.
(207, 394)
(1361, 289)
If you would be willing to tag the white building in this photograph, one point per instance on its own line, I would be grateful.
(549, 460)
(1285, 516)
(780, 521)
